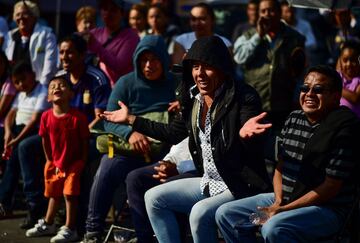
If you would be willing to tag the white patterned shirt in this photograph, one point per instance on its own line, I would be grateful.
(211, 176)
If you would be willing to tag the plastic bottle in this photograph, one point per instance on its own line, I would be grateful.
(258, 218)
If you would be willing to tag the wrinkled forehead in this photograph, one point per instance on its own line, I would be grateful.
(317, 78)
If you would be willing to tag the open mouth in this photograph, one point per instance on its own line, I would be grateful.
(311, 103)
(57, 93)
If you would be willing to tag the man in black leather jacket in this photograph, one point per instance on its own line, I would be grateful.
(213, 112)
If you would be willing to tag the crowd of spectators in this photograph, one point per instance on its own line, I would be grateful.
(190, 125)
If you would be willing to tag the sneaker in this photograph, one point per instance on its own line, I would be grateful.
(65, 234)
(34, 213)
(92, 237)
(27, 223)
(41, 228)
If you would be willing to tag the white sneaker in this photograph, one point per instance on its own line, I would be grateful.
(64, 235)
(41, 228)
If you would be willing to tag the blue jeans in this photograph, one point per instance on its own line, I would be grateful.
(20, 157)
(109, 176)
(32, 162)
(137, 183)
(307, 224)
(184, 196)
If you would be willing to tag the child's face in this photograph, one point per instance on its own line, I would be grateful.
(349, 63)
(59, 90)
(24, 82)
(151, 66)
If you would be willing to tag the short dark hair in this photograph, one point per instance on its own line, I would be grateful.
(253, 2)
(331, 73)
(276, 4)
(284, 3)
(161, 8)
(78, 41)
(62, 77)
(21, 68)
(207, 7)
(141, 8)
(350, 44)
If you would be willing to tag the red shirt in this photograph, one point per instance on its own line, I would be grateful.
(66, 134)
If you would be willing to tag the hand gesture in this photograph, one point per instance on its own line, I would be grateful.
(253, 127)
(165, 170)
(118, 116)
(174, 106)
(263, 26)
(139, 143)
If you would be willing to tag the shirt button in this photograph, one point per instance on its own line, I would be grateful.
(194, 152)
(213, 149)
(249, 185)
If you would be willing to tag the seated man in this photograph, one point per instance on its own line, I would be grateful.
(214, 110)
(90, 85)
(175, 165)
(314, 179)
(150, 88)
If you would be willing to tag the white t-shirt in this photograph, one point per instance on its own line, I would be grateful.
(180, 155)
(27, 104)
(187, 39)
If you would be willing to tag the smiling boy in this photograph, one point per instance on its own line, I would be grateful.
(65, 134)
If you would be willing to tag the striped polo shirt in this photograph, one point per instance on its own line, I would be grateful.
(290, 146)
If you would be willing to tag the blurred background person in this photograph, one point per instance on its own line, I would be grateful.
(252, 17)
(32, 42)
(158, 21)
(85, 21)
(113, 44)
(202, 21)
(3, 29)
(349, 69)
(7, 95)
(85, 18)
(347, 30)
(288, 15)
(138, 19)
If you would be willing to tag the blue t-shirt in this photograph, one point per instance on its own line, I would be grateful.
(91, 91)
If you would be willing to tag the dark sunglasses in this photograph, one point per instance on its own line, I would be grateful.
(317, 89)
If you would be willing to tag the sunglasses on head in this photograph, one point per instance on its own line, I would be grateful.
(316, 89)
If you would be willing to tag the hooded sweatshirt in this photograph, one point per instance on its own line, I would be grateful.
(239, 162)
(139, 94)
